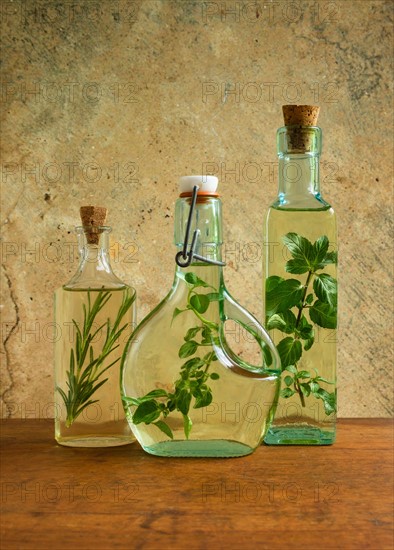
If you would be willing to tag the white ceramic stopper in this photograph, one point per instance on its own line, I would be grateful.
(205, 183)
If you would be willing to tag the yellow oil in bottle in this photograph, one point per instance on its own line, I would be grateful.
(294, 421)
(101, 420)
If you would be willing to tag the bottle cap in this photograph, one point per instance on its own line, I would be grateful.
(93, 217)
(206, 184)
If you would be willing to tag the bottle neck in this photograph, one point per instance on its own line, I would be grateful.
(94, 270)
(206, 220)
(299, 150)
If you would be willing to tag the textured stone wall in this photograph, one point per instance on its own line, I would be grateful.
(110, 102)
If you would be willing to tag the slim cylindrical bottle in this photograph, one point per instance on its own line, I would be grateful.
(94, 314)
(300, 238)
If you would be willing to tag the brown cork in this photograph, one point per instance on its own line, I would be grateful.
(93, 217)
(303, 115)
(299, 118)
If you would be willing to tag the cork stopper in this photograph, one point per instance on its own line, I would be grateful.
(299, 118)
(302, 115)
(93, 217)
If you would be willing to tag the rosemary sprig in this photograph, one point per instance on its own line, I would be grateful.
(86, 369)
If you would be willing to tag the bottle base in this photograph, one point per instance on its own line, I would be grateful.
(214, 448)
(94, 441)
(299, 435)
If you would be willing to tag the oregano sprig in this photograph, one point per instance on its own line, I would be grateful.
(192, 385)
(287, 301)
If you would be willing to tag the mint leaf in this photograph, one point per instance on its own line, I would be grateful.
(320, 248)
(285, 295)
(284, 321)
(331, 258)
(309, 299)
(305, 388)
(214, 376)
(187, 349)
(272, 282)
(290, 351)
(288, 380)
(304, 329)
(147, 412)
(292, 369)
(299, 247)
(298, 266)
(323, 315)
(199, 302)
(309, 343)
(164, 428)
(325, 288)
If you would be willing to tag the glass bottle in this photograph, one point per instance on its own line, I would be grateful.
(300, 238)
(185, 390)
(94, 314)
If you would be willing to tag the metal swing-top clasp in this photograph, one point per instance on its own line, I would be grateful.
(184, 258)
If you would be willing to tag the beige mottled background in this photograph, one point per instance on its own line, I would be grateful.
(111, 101)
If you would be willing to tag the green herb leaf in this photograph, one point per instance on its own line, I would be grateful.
(284, 321)
(192, 279)
(325, 288)
(305, 388)
(331, 258)
(298, 266)
(320, 248)
(164, 428)
(285, 295)
(147, 412)
(191, 333)
(288, 380)
(214, 376)
(176, 313)
(303, 374)
(323, 315)
(199, 302)
(304, 329)
(183, 401)
(287, 392)
(290, 351)
(308, 343)
(187, 425)
(299, 247)
(187, 349)
(203, 400)
(309, 299)
(292, 369)
(272, 282)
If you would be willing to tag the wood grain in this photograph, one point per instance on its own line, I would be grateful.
(278, 498)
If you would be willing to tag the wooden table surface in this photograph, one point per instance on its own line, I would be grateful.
(277, 498)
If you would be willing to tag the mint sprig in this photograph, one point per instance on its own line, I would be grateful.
(287, 301)
(192, 386)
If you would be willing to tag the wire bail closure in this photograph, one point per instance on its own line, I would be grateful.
(184, 258)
